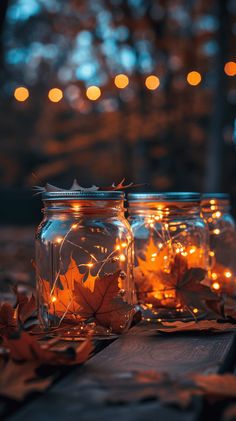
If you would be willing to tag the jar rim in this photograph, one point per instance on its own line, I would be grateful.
(219, 196)
(82, 195)
(166, 196)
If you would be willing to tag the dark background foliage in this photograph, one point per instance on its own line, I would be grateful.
(176, 137)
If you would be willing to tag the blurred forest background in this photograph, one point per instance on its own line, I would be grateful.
(173, 130)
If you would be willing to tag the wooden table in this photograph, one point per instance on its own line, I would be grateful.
(78, 396)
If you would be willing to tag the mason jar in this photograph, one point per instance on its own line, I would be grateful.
(171, 254)
(84, 264)
(221, 225)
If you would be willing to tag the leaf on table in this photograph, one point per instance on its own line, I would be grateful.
(26, 307)
(103, 303)
(24, 347)
(7, 319)
(199, 326)
(216, 386)
(18, 380)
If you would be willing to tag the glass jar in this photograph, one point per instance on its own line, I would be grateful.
(171, 254)
(84, 264)
(216, 211)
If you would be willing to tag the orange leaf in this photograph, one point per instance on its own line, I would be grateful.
(7, 319)
(104, 303)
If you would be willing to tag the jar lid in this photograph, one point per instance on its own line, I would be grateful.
(167, 197)
(82, 195)
(217, 196)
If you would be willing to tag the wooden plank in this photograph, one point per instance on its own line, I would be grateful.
(80, 396)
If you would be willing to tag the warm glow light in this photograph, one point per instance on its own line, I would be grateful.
(230, 68)
(214, 275)
(59, 240)
(216, 214)
(160, 245)
(152, 82)
(55, 94)
(122, 258)
(194, 78)
(123, 245)
(121, 81)
(216, 286)
(21, 94)
(228, 274)
(216, 231)
(212, 201)
(93, 92)
(184, 253)
(117, 247)
(211, 253)
(195, 310)
(192, 250)
(74, 226)
(90, 265)
(53, 299)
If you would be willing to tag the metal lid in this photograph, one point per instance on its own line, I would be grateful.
(82, 195)
(165, 197)
(217, 196)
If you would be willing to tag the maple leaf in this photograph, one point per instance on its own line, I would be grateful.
(216, 386)
(187, 283)
(18, 380)
(26, 307)
(200, 326)
(8, 321)
(103, 304)
(24, 347)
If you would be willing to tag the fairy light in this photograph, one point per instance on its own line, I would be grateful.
(216, 286)
(160, 245)
(230, 68)
(53, 299)
(216, 214)
(117, 247)
(211, 253)
(76, 207)
(192, 250)
(228, 274)
(55, 95)
(21, 94)
(93, 92)
(122, 257)
(59, 240)
(121, 81)
(123, 245)
(152, 82)
(194, 78)
(214, 276)
(195, 310)
(74, 226)
(90, 265)
(212, 202)
(184, 253)
(173, 229)
(213, 207)
(154, 254)
(216, 231)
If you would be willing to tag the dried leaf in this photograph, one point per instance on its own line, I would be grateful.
(24, 347)
(216, 386)
(103, 303)
(26, 307)
(7, 319)
(18, 380)
(199, 326)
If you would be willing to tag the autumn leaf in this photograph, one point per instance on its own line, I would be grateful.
(216, 386)
(26, 307)
(192, 326)
(103, 304)
(18, 380)
(24, 347)
(7, 319)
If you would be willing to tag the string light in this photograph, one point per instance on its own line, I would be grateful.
(90, 265)
(228, 274)
(214, 275)
(122, 257)
(93, 92)
(216, 214)
(216, 286)
(194, 78)
(53, 299)
(59, 240)
(192, 250)
(152, 82)
(230, 68)
(21, 94)
(211, 253)
(195, 310)
(121, 81)
(55, 95)
(216, 231)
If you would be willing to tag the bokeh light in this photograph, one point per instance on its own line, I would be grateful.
(55, 94)
(194, 78)
(152, 82)
(121, 81)
(230, 68)
(21, 94)
(93, 92)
